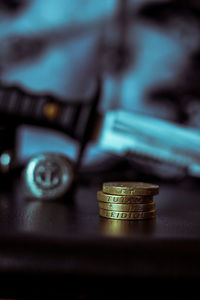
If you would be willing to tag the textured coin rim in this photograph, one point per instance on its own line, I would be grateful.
(127, 207)
(111, 188)
(123, 199)
(131, 184)
(131, 215)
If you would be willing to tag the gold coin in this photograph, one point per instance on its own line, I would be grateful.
(126, 215)
(130, 188)
(127, 207)
(123, 199)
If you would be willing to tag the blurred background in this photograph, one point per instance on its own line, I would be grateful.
(147, 54)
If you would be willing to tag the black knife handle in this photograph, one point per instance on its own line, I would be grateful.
(74, 118)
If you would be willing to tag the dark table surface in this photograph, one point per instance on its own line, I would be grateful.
(57, 248)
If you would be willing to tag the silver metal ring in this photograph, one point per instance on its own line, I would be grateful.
(48, 176)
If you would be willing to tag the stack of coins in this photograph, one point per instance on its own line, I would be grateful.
(127, 200)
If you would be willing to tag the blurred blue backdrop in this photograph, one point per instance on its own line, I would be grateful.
(147, 53)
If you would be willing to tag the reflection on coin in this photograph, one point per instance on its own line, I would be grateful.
(116, 227)
(127, 207)
(48, 176)
(126, 215)
(123, 199)
(130, 188)
(112, 227)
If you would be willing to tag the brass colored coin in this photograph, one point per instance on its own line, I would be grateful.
(127, 207)
(130, 188)
(120, 215)
(123, 199)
